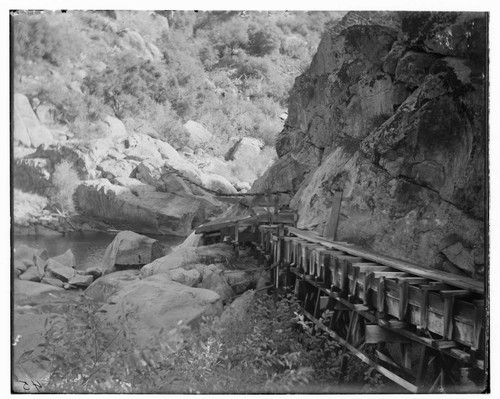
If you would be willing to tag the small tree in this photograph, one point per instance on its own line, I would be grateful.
(65, 180)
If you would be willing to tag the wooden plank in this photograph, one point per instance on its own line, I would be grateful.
(386, 359)
(413, 280)
(330, 231)
(375, 334)
(388, 274)
(451, 279)
(371, 267)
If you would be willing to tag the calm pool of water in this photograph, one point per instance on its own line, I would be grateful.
(88, 247)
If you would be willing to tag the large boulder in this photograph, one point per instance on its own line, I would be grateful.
(116, 128)
(106, 286)
(241, 280)
(31, 274)
(239, 309)
(187, 277)
(29, 289)
(188, 257)
(81, 281)
(19, 267)
(67, 259)
(34, 305)
(144, 211)
(28, 130)
(399, 127)
(130, 249)
(156, 305)
(28, 255)
(198, 135)
(142, 146)
(48, 279)
(217, 183)
(177, 176)
(214, 281)
(63, 273)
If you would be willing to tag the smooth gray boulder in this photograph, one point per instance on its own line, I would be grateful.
(130, 249)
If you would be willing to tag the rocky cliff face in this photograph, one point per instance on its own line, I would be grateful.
(392, 111)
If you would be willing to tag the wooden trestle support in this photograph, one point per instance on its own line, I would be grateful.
(423, 329)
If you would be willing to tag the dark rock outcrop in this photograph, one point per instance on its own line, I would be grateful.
(143, 211)
(393, 112)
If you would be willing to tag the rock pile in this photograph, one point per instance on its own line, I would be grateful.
(34, 265)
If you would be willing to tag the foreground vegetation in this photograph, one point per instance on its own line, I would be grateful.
(268, 350)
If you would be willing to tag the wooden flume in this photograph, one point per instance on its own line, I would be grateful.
(423, 329)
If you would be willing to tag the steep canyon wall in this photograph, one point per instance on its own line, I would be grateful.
(393, 111)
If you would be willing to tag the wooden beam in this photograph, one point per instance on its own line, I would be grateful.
(330, 231)
(462, 282)
(375, 334)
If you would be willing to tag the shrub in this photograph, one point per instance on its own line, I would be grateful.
(271, 349)
(128, 85)
(262, 39)
(45, 37)
(165, 121)
(65, 180)
(27, 206)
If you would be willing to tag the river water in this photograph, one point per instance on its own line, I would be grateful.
(88, 247)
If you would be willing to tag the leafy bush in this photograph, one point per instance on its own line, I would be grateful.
(263, 39)
(65, 180)
(128, 84)
(44, 37)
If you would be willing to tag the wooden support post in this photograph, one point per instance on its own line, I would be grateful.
(424, 318)
(330, 231)
(317, 305)
(478, 323)
(422, 367)
(406, 355)
(303, 258)
(449, 302)
(354, 286)
(278, 254)
(403, 299)
(367, 283)
(344, 280)
(381, 296)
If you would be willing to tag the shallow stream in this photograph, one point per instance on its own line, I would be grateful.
(88, 247)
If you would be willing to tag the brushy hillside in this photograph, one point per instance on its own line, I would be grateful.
(229, 71)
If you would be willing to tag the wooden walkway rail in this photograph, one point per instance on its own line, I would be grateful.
(423, 329)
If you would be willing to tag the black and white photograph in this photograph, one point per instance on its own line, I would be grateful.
(231, 201)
